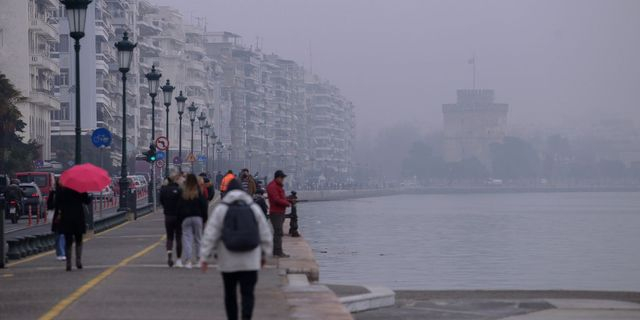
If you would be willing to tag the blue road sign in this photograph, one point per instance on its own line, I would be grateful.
(177, 160)
(160, 155)
(101, 137)
(202, 158)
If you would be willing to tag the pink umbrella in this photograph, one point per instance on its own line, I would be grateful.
(85, 178)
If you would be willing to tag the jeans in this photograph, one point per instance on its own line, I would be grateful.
(191, 234)
(277, 219)
(247, 281)
(60, 252)
(174, 231)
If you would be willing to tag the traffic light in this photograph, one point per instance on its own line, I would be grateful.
(150, 155)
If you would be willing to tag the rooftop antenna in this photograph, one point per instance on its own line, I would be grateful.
(472, 61)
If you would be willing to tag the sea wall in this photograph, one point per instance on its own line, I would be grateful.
(333, 195)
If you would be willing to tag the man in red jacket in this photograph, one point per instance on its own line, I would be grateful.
(278, 203)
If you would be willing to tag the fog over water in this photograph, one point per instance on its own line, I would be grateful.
(557, 63)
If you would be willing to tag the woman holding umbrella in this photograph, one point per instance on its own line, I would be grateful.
(71, 202)
(71, 223)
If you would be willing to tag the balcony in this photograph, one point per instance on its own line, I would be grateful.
(196, 65)
(104, 30)
(147, 49)
(41, 61)
(148, 29)
(102, 97)
(44, 99)
(101, 63)
(190, 47)
(41, 27)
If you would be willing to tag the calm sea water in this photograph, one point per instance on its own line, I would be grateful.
(587, 241)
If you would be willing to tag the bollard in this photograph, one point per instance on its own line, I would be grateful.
(3, 254)
(38, 216)
(29, 216)
(14, 252)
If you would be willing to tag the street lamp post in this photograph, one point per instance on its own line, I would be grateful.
(192, 117)
(167, 92)
(230, 148)
(207, 131)
(125, 53)
(154, 82)
(180, 100)
(77, 16)
(249, 154)
(220, 148)
(202, 118)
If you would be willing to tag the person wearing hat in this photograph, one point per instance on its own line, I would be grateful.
(278, 204)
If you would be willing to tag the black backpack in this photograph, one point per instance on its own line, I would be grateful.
(240, 229)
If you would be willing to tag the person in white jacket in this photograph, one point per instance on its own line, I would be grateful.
(236, 267)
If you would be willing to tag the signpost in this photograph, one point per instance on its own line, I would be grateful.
(162, 143)
(160, 155)
(191, 158)
(202, 158)
(160, 163)
(101, 138)
(177, 160)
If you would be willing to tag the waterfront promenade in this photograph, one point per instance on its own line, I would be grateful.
(126, 277)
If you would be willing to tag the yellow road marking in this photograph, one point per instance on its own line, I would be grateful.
(7, 275)
(64, 303)
(46, 253)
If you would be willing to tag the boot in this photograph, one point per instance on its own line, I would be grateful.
(169, 259)
(79, 255)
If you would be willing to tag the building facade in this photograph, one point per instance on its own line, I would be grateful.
(28, 38)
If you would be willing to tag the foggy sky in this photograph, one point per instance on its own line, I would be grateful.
(555, 62)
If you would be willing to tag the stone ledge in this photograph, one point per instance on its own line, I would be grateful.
(378, 297)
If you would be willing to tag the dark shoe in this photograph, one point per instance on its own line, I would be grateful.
(68, 268)
(78, 265)
(281, 255)
(169, 260)
(68, 264)
(295, 234)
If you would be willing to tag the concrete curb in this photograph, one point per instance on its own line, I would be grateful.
(378, 297)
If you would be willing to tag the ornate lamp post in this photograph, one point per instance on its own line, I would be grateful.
(230, 148)
(125, 53)
(220, 149)
(207, 131)
(202, 120)
(167, 92)
(180, 100)
(77, 16)
(249, 154)
(192, 117)
(214, 140)
(154, 82)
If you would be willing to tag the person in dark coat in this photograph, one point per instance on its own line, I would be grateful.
(71, 218)
(293, 217)
(169, 197)
(259, 199)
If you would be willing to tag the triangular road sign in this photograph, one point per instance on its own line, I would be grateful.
(191, 158)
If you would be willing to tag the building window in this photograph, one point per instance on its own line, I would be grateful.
(64, 43)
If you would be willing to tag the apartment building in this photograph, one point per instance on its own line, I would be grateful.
(27, 39)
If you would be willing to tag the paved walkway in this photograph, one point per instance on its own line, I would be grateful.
(125, 277)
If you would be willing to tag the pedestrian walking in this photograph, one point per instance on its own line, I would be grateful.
(55, 225)
(225, 182)
(70, 207)
(248, 182)
(293, 217)
(241, 238)
(219, 177)
(192, 210)
(278, 203)
(169, 197)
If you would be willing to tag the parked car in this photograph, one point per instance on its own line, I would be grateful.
(45, 181)
(33, 200)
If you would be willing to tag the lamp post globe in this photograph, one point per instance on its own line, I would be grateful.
(180, 101)
(167, 94)
(154, 82)
(77, 17)
(125, 54)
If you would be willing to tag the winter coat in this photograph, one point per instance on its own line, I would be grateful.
(229, 261)
(69, 211)
(250, 183)
(193, 208)
(278, 203)
(262, 203)
(225, 182)
(169, 196)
